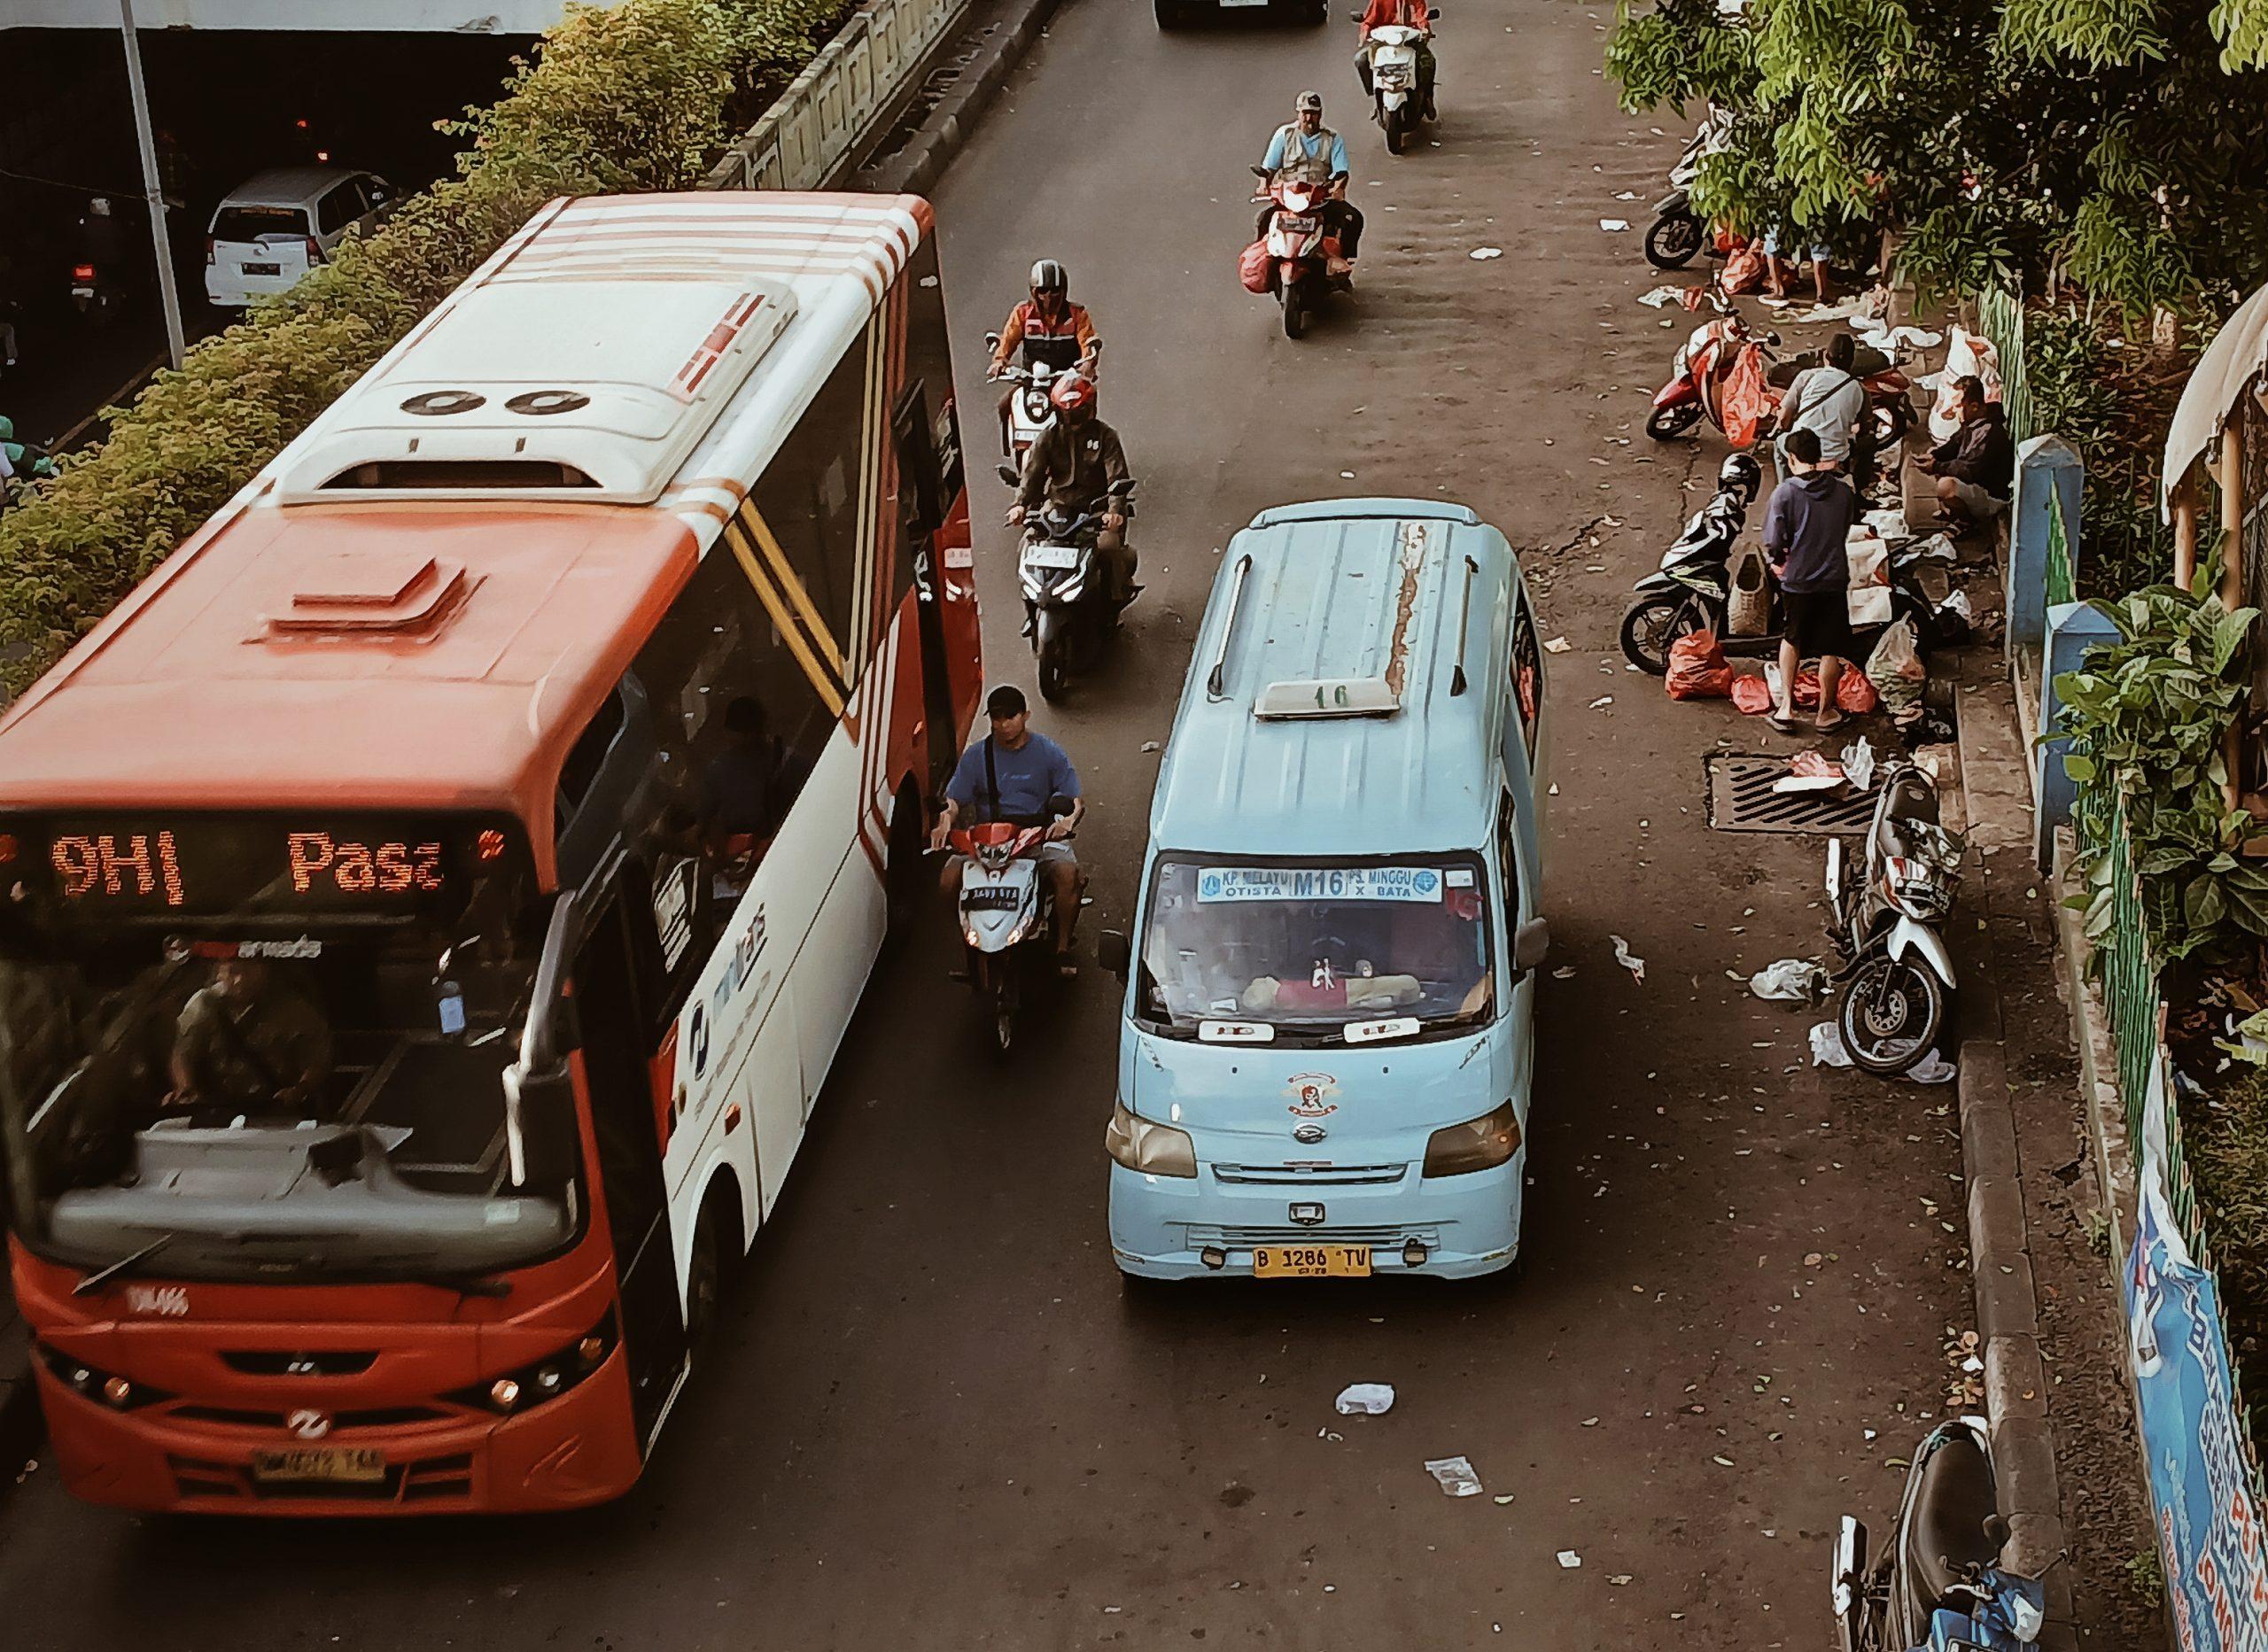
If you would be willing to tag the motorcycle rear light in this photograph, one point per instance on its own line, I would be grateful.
(315, 251)
(82, 272)
(212, 251)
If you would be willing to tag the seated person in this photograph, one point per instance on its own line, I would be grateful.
(249, 1041)
(747, 787)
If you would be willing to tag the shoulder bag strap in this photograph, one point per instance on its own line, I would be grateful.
(993, 776)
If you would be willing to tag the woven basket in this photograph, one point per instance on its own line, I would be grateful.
(1748, 608)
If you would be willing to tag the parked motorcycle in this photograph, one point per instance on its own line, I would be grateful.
(1027, 407)
(1397, 103)
(1939, 1584)
(1071, 614)
(1300, 250)
(1007, 915)
(1706, 362)
(1692, 589)
(1678, 232)
(1897, 977)
(28, 462)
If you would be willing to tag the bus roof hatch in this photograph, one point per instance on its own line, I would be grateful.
(532, 389)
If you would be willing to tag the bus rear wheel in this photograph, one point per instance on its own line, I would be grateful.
(716, 1248)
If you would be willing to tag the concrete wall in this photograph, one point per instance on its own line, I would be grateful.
(428, 16)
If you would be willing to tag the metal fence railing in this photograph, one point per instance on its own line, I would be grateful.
(804, 138)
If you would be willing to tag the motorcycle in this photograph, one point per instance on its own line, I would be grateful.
(1396, 105)
(1692, 589)
(29, 462)
(1939, 1587)
(1706, 362)
(1007, 914)
(1897, 979)
(1072, 617)
(1027, 407)
(1678, 232)
(1299, 251)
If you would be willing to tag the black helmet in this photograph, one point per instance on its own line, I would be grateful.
(1047, 276)
(1741, 470)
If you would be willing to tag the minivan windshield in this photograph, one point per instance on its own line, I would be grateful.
(1317, 949)
(250, 1046)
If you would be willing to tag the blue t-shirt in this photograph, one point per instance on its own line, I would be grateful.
(1029, 777)
(1308, 146)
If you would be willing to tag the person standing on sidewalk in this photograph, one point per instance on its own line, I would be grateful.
(1807, 527)
(1831, 402)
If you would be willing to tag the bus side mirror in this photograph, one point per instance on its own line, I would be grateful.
(1531, 942)
(541, 1139)
(1113, 953)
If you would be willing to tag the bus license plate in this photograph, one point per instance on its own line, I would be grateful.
(325, 1463)
(1311, 1261)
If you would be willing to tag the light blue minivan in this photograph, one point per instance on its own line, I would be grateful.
(1328, 1047)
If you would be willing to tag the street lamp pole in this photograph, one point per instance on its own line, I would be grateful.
(151, 186)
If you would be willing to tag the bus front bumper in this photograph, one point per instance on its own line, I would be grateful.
(1194, 1227)
(567, 1453)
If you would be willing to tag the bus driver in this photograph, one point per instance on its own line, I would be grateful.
(247, 1040)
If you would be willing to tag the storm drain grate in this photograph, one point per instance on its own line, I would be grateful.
(1741, 799)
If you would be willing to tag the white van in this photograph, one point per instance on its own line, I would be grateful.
(274, 228)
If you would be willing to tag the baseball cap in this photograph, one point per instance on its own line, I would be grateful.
(1309, 100)
(1005, 700)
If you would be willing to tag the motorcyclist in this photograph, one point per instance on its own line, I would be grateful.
(1012, 774)
(1306, 150)
(1072, 464)
(1047, 327)
(1417, 14)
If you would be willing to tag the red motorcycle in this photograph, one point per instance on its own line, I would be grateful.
(1727, 349)
(1295, 259)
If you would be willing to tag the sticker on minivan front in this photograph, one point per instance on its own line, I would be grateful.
(1235, 884)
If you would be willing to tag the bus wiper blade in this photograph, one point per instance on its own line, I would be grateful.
(89, 1283)
(466, 1284)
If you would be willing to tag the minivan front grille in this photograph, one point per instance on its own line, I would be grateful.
(1389, 1236)
(1311, 1175)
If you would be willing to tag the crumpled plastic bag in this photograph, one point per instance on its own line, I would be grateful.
(1854, 693)
(1747, 399)
(1699, 668)
(1895, 670)
(1859, 763)
(1827, 1046)
(1790, 980)
(1252, 267)
(1968, 356)
(1454, 1476)
(1365, 1400)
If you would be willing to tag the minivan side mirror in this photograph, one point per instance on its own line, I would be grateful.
(1531, 942)
(1113, 952)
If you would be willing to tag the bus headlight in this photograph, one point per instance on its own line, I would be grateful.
(1480, 1144)
(116, 1392)
(515, 1392)
(1144, 1144)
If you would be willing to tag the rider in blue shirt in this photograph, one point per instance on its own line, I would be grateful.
(1011, 774)
(1306, 150)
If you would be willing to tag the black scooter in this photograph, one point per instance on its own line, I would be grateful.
(1071, 616)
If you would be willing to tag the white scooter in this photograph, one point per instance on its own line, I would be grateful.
(1897, 981)
(1028, 408)
(1007, 914)
(1397, 103)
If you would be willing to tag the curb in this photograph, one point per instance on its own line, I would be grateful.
(2006, 1297)
(916, 166)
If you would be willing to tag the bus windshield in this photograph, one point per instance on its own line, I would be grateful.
(247, 1047)
(1327, 949)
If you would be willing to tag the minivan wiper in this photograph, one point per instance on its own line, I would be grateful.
(91, 1283)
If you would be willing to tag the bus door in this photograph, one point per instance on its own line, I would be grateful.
(616, 1067)
(922, 498)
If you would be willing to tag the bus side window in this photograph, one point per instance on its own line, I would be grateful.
(920, 480)
(809, 497)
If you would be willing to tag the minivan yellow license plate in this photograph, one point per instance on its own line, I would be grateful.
(1311, 1261)
(320, 1463)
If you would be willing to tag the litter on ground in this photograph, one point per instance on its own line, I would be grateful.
(1483, 254)
(1629, 960)
(1454, 1476)
(1790, 980)
(1365, 1400)
(1614, 226)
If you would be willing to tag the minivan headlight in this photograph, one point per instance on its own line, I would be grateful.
(1144, 1144)
(1480, 1144)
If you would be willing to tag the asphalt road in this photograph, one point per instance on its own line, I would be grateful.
(930, 1421)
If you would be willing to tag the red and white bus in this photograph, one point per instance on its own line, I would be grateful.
(437, 893)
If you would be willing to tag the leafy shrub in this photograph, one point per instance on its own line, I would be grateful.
(640, 96)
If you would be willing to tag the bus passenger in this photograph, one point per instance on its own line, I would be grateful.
(747, 787)
(248, 1040)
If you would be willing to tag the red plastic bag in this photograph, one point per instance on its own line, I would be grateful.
(1854, 693)
(1743, 271)
(1747, 399)
(1252, 267)
(1699, 668)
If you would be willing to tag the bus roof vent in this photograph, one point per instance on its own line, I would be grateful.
(588, 387)
(392, 592)
(1328, 696)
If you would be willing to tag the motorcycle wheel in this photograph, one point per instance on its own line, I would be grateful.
(1673, 241)
(1397, 129)
(1892, 420)
(1652, 626)
(1890, 1015)
(1052, 640)
(1169, 14)
(1004, 1005)
(1295, 311)
(1667, 423)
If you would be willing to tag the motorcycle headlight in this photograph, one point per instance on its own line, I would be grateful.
(1917, 889)
(1480, 1144)
(1144, 1144)
(1035, 406)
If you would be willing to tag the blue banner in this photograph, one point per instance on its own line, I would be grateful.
(2209, 1536)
